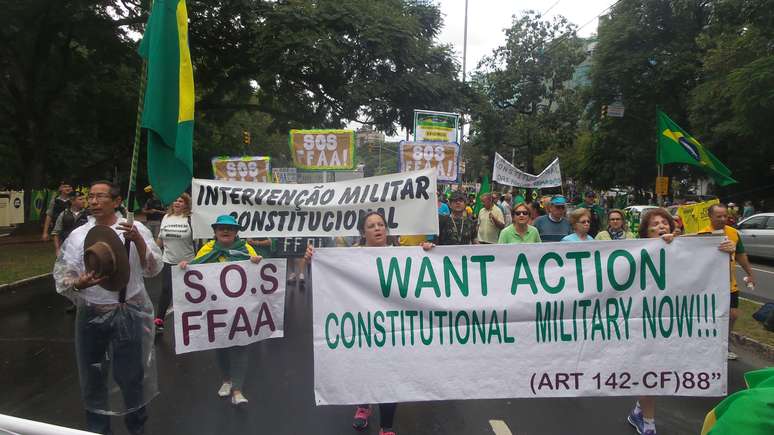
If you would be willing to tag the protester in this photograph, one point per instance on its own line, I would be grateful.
(69, 219)
(656, 223)
(457, 228)
(520, 231)
(374, 233)
(113, 328)
(718, 214)
(748, 210)
(554, 226)
(153, 210)
(176, 240)
(227, 246)
(443, 208)
(505, 207)
(617, 228)
(490, 220)
(56, 206)
(580, 221)
(596, 212)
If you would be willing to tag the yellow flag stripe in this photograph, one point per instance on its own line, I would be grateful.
(186, 84)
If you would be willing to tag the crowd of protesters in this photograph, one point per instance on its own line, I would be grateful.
(167, 240)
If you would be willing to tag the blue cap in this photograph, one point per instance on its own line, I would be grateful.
(558, 200)
(225, 219)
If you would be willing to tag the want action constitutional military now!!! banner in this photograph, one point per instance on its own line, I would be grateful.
(628, 318)
(221, 305)
(505, 173)
(408, 201)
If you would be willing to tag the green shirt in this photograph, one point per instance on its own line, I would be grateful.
(509, 235)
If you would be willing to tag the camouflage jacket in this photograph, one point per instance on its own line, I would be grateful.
(456, 231)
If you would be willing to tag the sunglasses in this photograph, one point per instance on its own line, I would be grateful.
(225, 228)
(521, 213)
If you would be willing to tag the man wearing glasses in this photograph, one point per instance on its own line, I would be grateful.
(554, 226)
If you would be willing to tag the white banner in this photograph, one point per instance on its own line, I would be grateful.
(221, 305)
(506, 173)
(618, 318)
(408, 201)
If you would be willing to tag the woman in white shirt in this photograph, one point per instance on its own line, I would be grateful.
(176, 239)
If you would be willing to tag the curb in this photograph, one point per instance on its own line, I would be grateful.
(762, 349)
(14, 285)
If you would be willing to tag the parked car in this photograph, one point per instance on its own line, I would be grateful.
(757, 232)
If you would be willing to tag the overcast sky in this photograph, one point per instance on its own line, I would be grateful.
(488, 18)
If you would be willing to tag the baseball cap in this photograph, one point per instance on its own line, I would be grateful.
(558, 200)
(457, 196)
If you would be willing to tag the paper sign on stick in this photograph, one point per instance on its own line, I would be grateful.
(616, 318)
(444, 156)
(221, 305)
(435, 126)
(247, 168)
(325, 150)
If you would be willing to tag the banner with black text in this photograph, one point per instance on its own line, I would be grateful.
(407, 200)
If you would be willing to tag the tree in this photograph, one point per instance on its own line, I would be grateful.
(647, 58)
(524, 101)
(731, 108)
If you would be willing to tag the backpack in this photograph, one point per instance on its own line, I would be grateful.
(765, 315)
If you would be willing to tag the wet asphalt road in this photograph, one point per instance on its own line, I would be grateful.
(38, 380)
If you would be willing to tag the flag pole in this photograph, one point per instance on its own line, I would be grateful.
(135, 159)
(137, 138)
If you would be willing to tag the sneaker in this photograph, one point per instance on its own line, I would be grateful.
(225, 389)
(386, 432)
(635, 419)
(238, 398)
(159, 325)
(292, 277)
(732, 356)
(301, 278)
(361, 417)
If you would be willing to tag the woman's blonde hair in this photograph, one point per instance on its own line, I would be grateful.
(187, 200)
(577, 214)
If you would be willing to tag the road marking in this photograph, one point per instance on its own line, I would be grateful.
(759, 270)
(499, 427)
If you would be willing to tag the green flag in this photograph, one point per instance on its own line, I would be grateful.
(485, 188)
(749, 411)
(675, 145)
(168, 113)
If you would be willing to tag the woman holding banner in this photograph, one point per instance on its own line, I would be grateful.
(580, 221)
(657, 223)
(227, 246)
(616, 227)
(520, 231)
(176, 239)
(373, 230)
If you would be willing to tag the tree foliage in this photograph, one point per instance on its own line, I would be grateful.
(524, 104)
(71, 77)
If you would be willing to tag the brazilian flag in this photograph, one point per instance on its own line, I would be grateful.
(168, 114)
(38, 205)
(675, 145)
(748, 412)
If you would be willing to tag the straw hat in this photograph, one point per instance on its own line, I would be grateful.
(105, 255)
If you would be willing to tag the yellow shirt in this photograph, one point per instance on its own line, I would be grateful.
(412, 240)
(732, 235)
